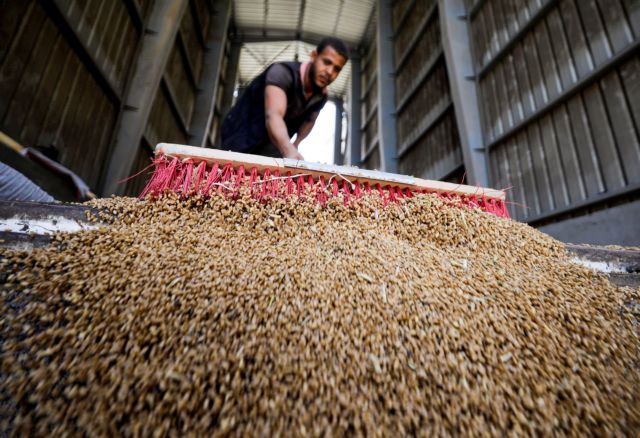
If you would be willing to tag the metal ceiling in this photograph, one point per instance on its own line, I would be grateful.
(285, 30)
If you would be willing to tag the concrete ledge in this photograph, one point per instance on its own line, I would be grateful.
(28, 225)
(621, 265)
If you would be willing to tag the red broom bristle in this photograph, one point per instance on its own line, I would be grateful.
(346, 191)
(186, 179)
(200, 172)
(289, 184)
(188, 174)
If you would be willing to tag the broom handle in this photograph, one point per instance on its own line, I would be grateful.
(351, 174)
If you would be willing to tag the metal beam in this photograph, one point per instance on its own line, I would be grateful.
(337, 143)
(211, 64)
(386, 88)
(354, 113)
(303, 7)
(456, 45)
(256, 35)
(153, 53)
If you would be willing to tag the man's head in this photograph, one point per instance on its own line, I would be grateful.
(327, 60)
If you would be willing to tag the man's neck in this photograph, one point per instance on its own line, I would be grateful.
(307, 83)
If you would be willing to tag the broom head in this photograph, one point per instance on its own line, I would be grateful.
(193, 171)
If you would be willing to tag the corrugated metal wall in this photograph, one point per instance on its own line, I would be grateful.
(369, 152)
(559, 83)
(65, 66)
(428, 141)
(55, 83)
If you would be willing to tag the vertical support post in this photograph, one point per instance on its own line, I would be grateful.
(355, 118)
(459, 59)
(386, 88)
(337, 142)
(231, 77)
(204, 109)
(154, 48)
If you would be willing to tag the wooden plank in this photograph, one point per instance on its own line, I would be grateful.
(566, 67)
(13, 15)
(68, 112)
(519, 193)
(554, 163)
(540, 165)
(506, 100)
(59, 104)
(507, 180)
(622, 126)
(111, 59)
(528, 174)
(632, 10)
(550, 67)
(89, 135)
(587, 155)
(19, 56)
(497, 103)
(72, 152)
(30, 80)
(594, 29)
(568, 155)
(103, 137)
(603, 138)
(527, 102)
(89, 169)
(514, 90)
(101, 46)
(535, 71)
(578, 45)
(44, 95)
(615, 21)
(630, 76)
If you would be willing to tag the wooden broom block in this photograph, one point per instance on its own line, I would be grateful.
(328, 171)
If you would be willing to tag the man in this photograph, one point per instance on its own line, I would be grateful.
(282, 101)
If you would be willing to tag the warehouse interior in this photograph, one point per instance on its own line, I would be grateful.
(470, 266)
(539, 97)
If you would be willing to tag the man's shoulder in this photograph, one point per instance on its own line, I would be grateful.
(284, 68)
(291, 65)
(282, 74)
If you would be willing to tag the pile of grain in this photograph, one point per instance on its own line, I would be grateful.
(287, 318)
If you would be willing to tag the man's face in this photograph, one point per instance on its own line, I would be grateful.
(325, 66)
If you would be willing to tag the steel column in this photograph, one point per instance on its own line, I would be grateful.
(355, 106)
(155, 46)
(386, 88)
(337, 144)
(455, 42)
(204, 110)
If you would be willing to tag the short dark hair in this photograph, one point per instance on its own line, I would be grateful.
(337, 45)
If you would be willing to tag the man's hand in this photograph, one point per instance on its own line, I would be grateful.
(292, 152)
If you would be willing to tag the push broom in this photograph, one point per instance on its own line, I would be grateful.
(189, 171)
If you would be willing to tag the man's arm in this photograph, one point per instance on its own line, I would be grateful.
(306, 128)
(275, 107)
